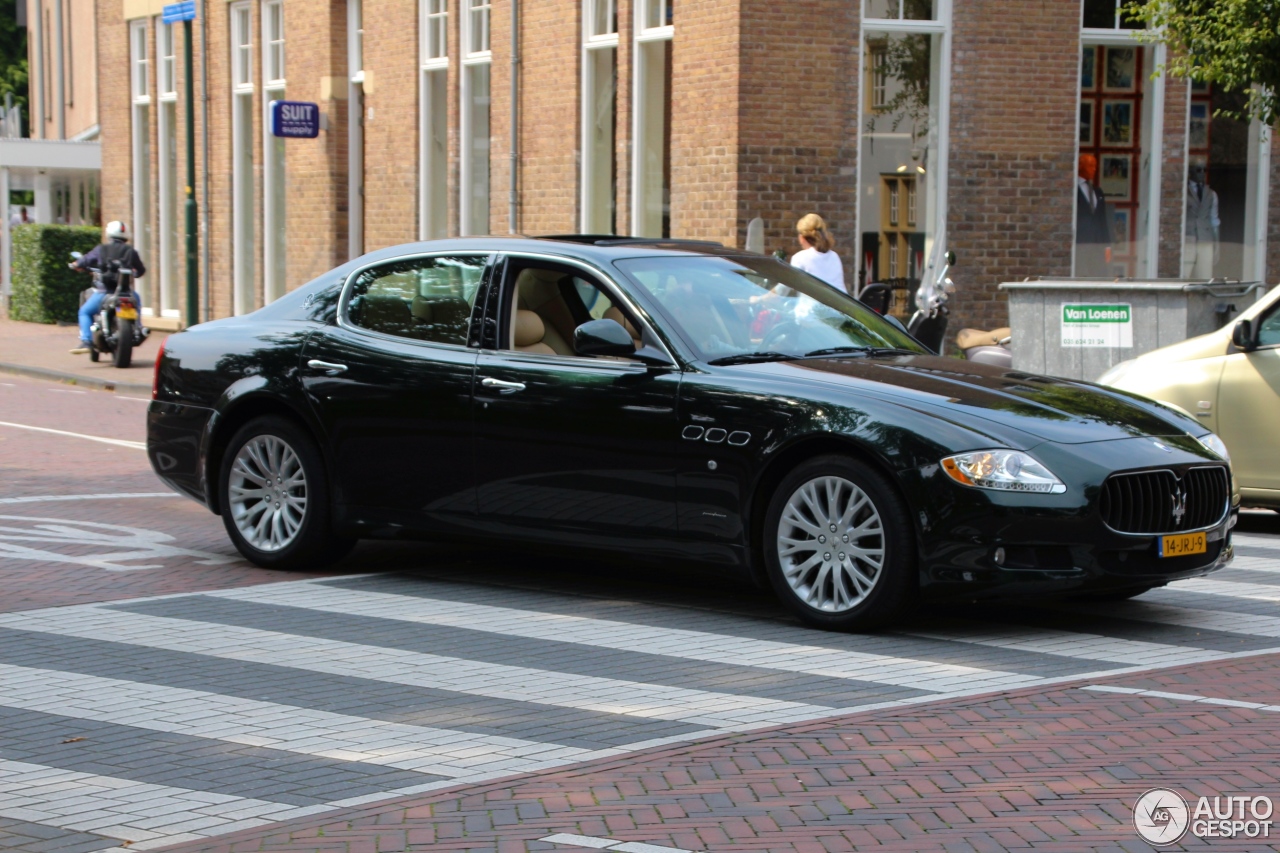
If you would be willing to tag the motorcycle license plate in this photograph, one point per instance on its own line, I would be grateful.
(127, 314)
(1183, 544)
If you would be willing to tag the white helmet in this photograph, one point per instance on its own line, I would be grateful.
(116, 230)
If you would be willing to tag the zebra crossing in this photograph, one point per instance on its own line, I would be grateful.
(138, 724)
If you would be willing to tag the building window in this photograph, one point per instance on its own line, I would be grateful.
(1225, 195)
(651, 151)
(902, 162)
(473, 202)
(433, 113)
(1107, 15)
(166, 301)
(599, 117)
(355, 128)
(274, 224)
(242, 145)
(140, 79)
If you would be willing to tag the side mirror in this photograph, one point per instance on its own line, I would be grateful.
(602, 337)
(951, 258)
(1242, 336)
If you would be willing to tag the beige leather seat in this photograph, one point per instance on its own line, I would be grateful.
(970, 338)
(538, 290)
(528, 333)
(617, 316)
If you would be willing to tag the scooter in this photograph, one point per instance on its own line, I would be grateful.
(986, 347)
(928, 324)
(117, 330)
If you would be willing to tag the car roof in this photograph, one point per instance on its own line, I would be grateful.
(596, 247)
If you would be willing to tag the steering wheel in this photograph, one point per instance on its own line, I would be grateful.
(789, 332)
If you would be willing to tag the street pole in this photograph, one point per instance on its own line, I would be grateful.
(193, 268)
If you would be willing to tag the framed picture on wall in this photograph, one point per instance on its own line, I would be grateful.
(1121, 72)
(1120, 230)
(1086, 123)
(1114, 173)
(1117, 124)
(1198, 125)
(1088, 63)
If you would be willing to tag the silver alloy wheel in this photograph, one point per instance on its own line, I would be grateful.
(831, 544)
(267, 491)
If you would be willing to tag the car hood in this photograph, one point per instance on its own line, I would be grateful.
(1053, 409)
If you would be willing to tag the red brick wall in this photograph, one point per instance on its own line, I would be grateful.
(1013, 149)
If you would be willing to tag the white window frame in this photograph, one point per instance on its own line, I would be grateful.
(165, 298)
(242, 189)
(273, 89)
(593, 41)
(433, 61)
(639, 112)
(941, 27)
(140, 131)
(471, 58)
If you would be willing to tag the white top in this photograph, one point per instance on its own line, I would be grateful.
(823, 265)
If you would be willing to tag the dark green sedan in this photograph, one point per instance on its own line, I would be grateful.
(674, 400)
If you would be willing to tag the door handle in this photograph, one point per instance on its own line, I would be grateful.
(503, 386)
(317, 364)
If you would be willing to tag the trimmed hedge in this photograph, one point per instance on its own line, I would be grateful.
(44, 290)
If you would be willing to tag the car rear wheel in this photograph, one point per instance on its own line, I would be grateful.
(838, 547)
(274, 497)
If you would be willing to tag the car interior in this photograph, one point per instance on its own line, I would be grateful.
(550, 303)
(426, 302)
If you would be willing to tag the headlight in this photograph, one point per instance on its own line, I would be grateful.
(1002, 470)
(1212, 442)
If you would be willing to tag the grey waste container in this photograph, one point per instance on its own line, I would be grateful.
(1079, 328)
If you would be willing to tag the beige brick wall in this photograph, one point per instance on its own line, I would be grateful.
(1173, 178)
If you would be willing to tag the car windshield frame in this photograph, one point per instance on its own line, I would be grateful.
(740, 290)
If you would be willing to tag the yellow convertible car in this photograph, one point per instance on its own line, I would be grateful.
(1230, 381)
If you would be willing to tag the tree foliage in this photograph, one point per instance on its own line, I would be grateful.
(13, 57)
(1232, 44)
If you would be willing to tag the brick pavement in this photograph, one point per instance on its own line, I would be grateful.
(1055, 769)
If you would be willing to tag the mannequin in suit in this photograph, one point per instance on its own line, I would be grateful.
(1200, 249)
(1093, 222)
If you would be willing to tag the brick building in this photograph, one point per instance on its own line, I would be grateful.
(913, 126)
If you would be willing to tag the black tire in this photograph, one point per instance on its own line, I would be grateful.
(123, 356)
(892, 590)
(94, 355)
(314, 545)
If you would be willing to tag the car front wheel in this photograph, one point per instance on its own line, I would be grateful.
(275, 499)
(838, 547)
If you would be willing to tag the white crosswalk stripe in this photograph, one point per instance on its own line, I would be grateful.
(1205, 620)
(1229, 589)
(1257, 564)
(601, 633)
(1073, 645)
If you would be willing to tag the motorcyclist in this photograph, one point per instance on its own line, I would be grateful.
(110, 257)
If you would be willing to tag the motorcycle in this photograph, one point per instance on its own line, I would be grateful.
(928, 324)
(986, 347)
(117, 329)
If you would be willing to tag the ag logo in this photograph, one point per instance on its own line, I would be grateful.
(1161, 816)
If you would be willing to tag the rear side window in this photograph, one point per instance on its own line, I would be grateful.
(426, 299)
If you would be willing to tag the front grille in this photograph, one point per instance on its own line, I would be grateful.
(1163, 501)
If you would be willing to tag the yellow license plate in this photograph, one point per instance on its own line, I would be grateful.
(1183, 544)
(127, 314)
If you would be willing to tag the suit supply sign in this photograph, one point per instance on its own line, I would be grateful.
(295, 119)
(1089, 324)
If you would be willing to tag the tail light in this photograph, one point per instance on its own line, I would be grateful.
(124, 302)
(155, 376)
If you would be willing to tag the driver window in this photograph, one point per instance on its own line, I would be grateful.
(1269, 330)
(550, 303)
(427, 299)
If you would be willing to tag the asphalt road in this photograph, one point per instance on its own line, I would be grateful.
(155, 689)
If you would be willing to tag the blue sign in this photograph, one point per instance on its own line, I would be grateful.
(176, 13)
(295, 119)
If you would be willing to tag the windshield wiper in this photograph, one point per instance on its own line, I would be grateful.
(858, 350)
(750, 357)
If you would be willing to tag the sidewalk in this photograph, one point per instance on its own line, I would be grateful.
(39, 350)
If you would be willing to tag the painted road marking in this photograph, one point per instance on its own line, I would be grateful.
(40, 498)
(118, 442)
(114, 544)
(1182, 697)
(611, 844)
(1048, 641)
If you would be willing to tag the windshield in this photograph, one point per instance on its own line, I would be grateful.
(744, 306)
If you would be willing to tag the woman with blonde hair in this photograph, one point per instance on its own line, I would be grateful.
(817, 255)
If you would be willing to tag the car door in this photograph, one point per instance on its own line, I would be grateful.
(571, 448)
(391, 384)
(1249, 408)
